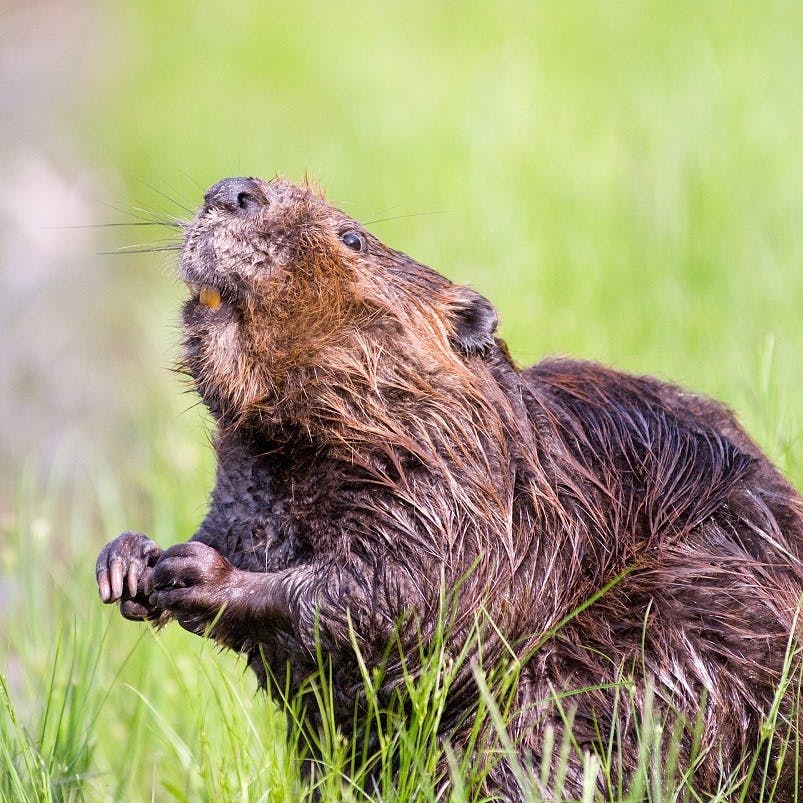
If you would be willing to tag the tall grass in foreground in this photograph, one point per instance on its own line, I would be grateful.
(93, 708)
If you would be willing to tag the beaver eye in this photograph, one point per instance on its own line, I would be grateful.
(352, 240)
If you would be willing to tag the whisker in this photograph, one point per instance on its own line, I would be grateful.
(168, 198)
(114, 225)
(146, 216)
(142, 249)
(190, 178)
(402, 217)
(169, 220)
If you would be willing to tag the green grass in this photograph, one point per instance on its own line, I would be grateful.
(94, 708)
(622, 179)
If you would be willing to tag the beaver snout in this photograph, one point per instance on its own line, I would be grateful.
(241, 195)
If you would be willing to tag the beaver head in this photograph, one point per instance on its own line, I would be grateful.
(290, 295)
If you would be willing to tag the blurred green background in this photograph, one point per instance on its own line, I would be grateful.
(623, 179)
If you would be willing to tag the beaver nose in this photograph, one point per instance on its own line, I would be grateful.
(241, 195)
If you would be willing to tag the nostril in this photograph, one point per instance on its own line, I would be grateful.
(245, 199)
(235, 195)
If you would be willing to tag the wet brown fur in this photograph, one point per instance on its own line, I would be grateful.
(375, 440)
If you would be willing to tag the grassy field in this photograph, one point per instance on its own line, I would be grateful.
(623, 180)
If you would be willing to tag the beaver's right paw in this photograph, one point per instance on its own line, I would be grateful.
(124, 572)
(192, 582)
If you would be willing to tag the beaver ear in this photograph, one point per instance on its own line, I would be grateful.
(474, 320)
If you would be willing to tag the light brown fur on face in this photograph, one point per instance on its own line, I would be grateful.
(298, 303)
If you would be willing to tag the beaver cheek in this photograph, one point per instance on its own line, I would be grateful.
(220, 349)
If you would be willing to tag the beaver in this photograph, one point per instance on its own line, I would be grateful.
(376, 444)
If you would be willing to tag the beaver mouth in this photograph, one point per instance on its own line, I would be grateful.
(211, 293)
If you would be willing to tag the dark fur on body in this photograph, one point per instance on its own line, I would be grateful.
(375, 441)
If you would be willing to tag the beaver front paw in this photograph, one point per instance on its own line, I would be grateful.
(123, 572)
(193, 581)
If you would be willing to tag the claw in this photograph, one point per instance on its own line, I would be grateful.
(147, 582)
(116, 570)
(133, 577)
(103, 586)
